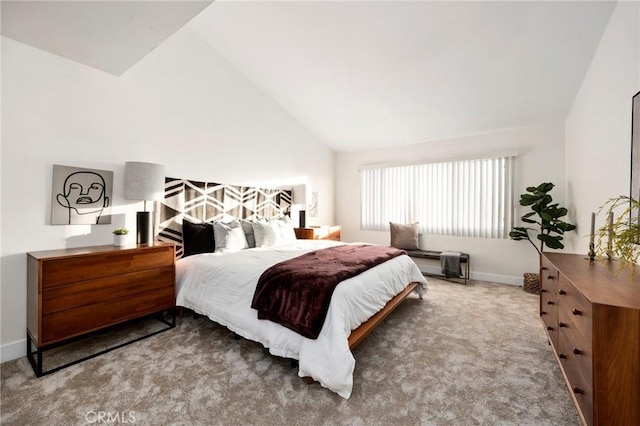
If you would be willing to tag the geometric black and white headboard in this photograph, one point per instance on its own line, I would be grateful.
(207, 201)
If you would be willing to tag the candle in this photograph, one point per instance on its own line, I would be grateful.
(610, 235)
(593, 227)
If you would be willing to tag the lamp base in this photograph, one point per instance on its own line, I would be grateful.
(143, 228)
(303, 221)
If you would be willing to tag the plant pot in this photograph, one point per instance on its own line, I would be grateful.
(119, 240)
(531, 283)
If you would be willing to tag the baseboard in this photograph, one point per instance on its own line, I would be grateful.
(482, 276)
(496, 278)
(13, 350)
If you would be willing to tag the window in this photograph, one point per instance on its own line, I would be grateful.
(471, 198)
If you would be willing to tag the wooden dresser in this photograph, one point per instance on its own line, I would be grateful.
(592, 318)
(72, 292)
(318, 233)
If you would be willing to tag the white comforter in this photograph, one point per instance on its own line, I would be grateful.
(221, 286)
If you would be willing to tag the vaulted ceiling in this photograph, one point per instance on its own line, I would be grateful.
(108, 35)
(357, 74)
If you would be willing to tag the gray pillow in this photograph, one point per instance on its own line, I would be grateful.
(247, 227)
(264, 233)
(404, 236)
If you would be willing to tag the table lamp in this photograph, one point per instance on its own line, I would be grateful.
(300, 198)
(145, 182)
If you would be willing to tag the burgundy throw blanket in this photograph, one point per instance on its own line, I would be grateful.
(296, 293)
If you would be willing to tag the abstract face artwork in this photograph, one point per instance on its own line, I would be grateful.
(80, 196)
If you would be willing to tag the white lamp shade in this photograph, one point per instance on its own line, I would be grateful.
(300, 194)
(143, 181)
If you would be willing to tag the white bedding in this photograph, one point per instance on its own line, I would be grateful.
(221, 286)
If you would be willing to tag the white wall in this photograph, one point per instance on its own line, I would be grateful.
(540, 159)
(182, 106)
(598, 128)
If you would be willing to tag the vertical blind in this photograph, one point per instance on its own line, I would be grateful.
(472, 198)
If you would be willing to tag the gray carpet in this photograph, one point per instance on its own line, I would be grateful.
(464, 355)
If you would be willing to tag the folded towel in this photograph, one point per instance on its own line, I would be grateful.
(450, 264)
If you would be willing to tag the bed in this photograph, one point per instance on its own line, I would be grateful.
(221, 285)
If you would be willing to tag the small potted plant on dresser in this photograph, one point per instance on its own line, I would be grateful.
(549, 228)
(120, 236)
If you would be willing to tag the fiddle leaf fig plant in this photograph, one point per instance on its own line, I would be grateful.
(545, 215)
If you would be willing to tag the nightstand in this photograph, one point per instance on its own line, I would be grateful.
(318, 233)
(74, 292)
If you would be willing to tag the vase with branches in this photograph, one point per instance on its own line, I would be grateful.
(619, 237)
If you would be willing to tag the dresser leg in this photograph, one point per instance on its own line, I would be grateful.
(36, 363)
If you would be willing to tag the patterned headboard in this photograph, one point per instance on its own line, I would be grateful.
(207, 201)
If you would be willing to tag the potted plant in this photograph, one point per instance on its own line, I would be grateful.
(619, 237)
(120, 236)
(549, 227)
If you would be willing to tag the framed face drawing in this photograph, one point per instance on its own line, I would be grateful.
(81, 196)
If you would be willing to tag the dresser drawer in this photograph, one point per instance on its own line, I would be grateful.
(576, 313)
(579, 374)
(94, 292)
(578, 366)
(549, 300)
(577, 352)
(77, 321)
(88, 267)
(549, 315)
(574, 344)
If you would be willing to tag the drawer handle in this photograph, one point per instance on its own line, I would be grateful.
(542, 290)
(543, 313)
(550, 302)
(544, 268)
(577, 390)
(562, 324)
(562, 356)
(562, 292)
(550, 277)
(575, 311)
(578, 351)
(549, 328)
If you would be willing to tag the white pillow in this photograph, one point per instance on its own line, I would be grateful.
(229, 237)
(273, 232)
(284, 230)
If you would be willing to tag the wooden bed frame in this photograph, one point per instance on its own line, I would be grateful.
(369, 325)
